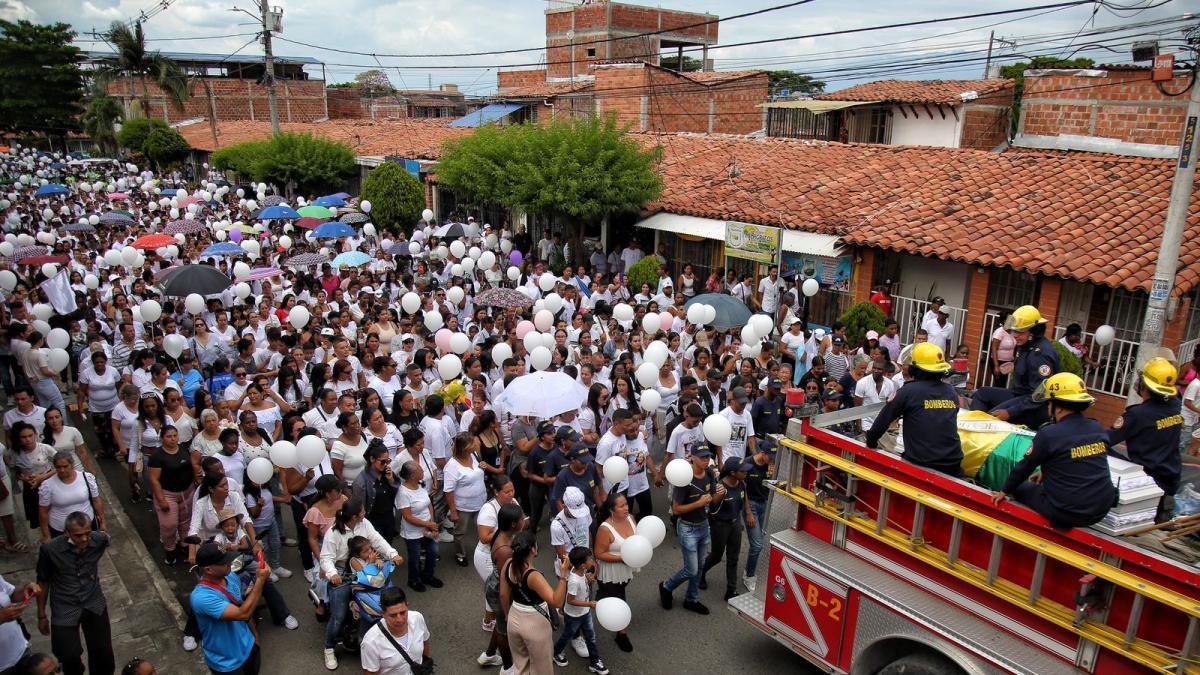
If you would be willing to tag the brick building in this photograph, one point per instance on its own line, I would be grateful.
(943, 113)
(229, 88)
(1115, 109)
(445, 101)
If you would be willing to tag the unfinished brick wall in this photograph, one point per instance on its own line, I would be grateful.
(1124, 104)
(669, 102)
(299, 100)
(736, 104)
(620, 90)
(604, 20)
(344, 103)
(510, 79)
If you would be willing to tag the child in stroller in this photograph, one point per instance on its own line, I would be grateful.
(371, 574)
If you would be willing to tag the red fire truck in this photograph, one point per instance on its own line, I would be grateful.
(879, 566)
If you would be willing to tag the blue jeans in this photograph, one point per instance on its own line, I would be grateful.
(49, 395)
(572, 625)
(270, 541)
(755, 534)
(418, 571)
(338, 603)
(694, 541)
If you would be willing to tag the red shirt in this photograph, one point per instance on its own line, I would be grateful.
(884, 302)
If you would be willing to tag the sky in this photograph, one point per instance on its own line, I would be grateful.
(457, 26)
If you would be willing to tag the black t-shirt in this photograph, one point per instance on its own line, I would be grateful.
(405, 423)
(731, 506)
(705, 485)
(176, 469)
(756, 486)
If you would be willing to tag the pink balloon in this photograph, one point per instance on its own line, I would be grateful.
(235, 235)
(667, 321)
(442, 339)
(523, 328)
(515, 258)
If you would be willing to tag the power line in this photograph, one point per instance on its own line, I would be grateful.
(176, 39)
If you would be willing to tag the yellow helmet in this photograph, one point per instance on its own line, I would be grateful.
(929, 357)
(1023, 318)
(1160, 375)
(1063, 387)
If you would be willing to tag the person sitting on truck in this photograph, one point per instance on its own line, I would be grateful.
(929, 408)
(1072, 486)
(1151, 429)
(1036, 360)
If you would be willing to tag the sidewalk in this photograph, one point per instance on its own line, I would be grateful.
(146, 619)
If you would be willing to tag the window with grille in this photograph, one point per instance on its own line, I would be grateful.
(1009, 289)
(872, 126)
(1126, 310)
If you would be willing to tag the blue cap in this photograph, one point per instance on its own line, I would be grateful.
(566, 433)
(580, 451)
(738, 464)
(702, 451)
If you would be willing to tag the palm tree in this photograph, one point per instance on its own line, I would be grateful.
(134, 61)
(100, 115)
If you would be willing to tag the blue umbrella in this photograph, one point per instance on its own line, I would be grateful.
(351, 259)
(731, 312)
(280, 212)
(340, 195)
(333, 230)
(330, 202)
(51, 189)
(226, 248)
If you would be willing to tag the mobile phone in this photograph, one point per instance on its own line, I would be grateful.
(261, 560)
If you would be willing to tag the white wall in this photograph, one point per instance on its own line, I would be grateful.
(918, 274)
(921, 130)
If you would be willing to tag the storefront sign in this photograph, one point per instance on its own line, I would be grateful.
(748, 241)
(833, 273)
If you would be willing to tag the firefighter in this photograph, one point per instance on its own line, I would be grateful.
(1073, 487)
(1036, 360)
(1151, 429)
(929, 408)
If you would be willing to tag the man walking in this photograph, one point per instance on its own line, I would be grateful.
(224, 613)
(690, 504)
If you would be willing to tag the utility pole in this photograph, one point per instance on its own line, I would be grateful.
(267, 26)
(1154, 324)
(987, 65)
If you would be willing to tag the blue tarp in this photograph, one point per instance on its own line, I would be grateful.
(487, 115)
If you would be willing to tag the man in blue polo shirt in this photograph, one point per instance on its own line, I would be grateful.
(224, 614)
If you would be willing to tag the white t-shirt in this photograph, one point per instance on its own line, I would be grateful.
(794, 343)
(63, 498)
(579, 589)
(489, 516)
(354, 457)
(865, 389)
(1192, 393)
(770, 294)
(379, 656)
(102, 389)
(612, 445)
(467, 484)
(12, 640)
(418, 501)
(683, 440)
(743, 428)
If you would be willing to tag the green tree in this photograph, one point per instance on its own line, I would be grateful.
(397, 198)
(41, 85)
(165, 147)
(134, 132)
(374, 83)
(99, 120)
(577, 171)
(795, 83)
(244, 159)
(133, 60)
(1016, 73)
(690, 64)
(644, 271)
(861, 318)
(306, 162)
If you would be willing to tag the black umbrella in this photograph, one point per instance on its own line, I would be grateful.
(731, 312)
(188, 279)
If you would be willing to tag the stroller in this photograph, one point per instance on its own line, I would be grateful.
(365, 591)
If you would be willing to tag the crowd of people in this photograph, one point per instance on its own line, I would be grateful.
(362, 398)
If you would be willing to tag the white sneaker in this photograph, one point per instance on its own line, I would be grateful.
(189, 643)
(750, 583)
(330, 660)
(493, 660)
(580, 647)
(282, 572)
(445, 537)
(509, 671)
(310, 575)
(274, 578)
(291, 623)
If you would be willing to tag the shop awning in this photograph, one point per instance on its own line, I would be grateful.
(486, 115)
(795, 241)
(815, 107)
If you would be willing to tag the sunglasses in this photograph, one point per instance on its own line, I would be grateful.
(239, 374)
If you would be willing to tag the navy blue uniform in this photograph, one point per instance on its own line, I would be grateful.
(1151, 431)
(1076, 488)
(930, 412)
(1036, 360)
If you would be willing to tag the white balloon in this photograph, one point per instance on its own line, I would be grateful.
(427, 215)
(442, 252)
(636, 551)
(93, 219)
(679, 472)
(613, 614)
(553, 302)
(506, 246)
(657, 353)
(474, 252)
(365, 206)
(174, 345)
(487, 260)
(456, 270)
(433, 321)
(710, 314)
(410, 302)
(7, 248)
(44, 328)
(540, 358)
(750, 335)
(310, 451)
(194, 303)
(174, 213)
(59, 359)
(647, 374)
(651, 399)
(299, 316)
(455, 294)
(260, 470)
(220, 235)
(284, 454)
(623, 312)
(47, 213)
(139, 260)
(547, 281)
(91, 281)
(151, 310)
(137, 314)
(695, 314)
(616, 469)
(240, 193)
(543, 320)
(58, 339)
(449, 367)
(240, 270)
(1105, 335)
(467, 265)
(762, 324)
(810, 287)
(501, 352)
(8, 280)
(460, 343)
(129, 255)
(652, 528)
(24, 240)
(285, 242)
(532, 341)
(43, 311)
(717, 429)
(458, 249)
(651, 322)
(49, 269)
(173, 250)
(513, 274)
(750, 351)
(242, 290)
(369, 230)
(414, 248)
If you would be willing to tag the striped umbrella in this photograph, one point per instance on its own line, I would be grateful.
(272, 200)
(115, 218)
(262, 273)
(306, 260)
(184, 226)
(354, 217)
(80, 227)
(29, 251)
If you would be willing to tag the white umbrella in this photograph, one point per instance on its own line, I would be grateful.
(543, 395)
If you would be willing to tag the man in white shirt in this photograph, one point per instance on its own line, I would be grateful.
(874, 388)
(400, 628)
(769, 289)
(545, 246)
(931, 314)
(741, 439)
(631, 254)
(614, 444)
(941, 330)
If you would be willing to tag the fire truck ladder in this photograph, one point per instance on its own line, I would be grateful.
(1030, 598)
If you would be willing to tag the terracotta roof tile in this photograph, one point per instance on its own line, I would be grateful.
(720, 76)
(410, 138)
(544, 90)
(917, 91)
(1091, 219)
